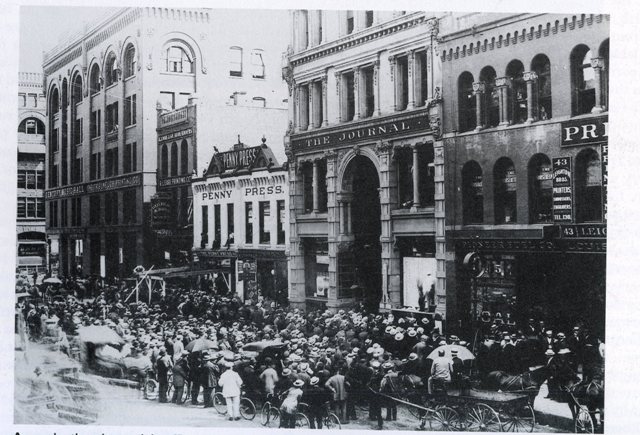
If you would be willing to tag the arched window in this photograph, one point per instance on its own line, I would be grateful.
(76, 89)
(542, 67)
(504, 195)
(466, 102)
(517, 92)
(54, 102)
(184, 157)
(588, 186)
(111, 70)
(472, 195)
(491, 97)
(604, 53)
(582, 81)
(94, 79)
(129, 61)
(540, 189)
(179, 58)
(31, 126)
(174, 159)
(164, 161)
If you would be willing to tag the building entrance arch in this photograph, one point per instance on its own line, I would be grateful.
(359, 256)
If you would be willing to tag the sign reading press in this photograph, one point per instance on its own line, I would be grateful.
(585, 131)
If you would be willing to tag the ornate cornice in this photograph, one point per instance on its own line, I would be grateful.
(507, 39)
(388, 28)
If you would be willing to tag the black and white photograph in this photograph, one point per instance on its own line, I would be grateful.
(322, 218)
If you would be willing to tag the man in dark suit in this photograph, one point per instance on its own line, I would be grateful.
(209, 380)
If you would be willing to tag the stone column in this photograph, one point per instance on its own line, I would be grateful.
(316, 184)
(393, 63)
(411, 61)
(389, 257)
(501, 84)
(376, 88)
(356, 93)
(597, 63)
(325, 110)
(296, 109)
(478, 91)
(339, 95)
(311, 109)
(530, 78)
(416, 177)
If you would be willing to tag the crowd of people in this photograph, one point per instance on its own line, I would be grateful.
(347, 358)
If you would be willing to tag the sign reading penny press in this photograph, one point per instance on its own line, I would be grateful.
(562, 190)
(584, 131)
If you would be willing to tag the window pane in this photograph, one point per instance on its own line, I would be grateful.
(22, 179)
(235, 62)
(258, 64)
(22, 208)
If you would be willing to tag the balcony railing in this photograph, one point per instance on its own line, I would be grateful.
(175, 117)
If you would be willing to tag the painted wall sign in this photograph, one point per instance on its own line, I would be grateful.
(584, 131)
(562, 190)
(584, 231)
(378, 131)
(533, 245)
(32, 250)
(161, 211)
(97, 186)
(605, 176)
(175, 135)
(174, 181)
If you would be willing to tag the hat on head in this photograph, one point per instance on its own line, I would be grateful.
(286, 372)
(564, 351)
(299, 383)
(413, 356)
(549, 352)
(314, 380)
(387, 365)
(424, 320)
(375, 364)
(399, 336)
(454, 351)
(412, 332)
(561, 335)
(442, 343)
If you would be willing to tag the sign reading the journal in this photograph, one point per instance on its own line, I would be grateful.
(378, 131)
(562, 190)
(584, 131)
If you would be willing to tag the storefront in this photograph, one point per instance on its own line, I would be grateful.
(241, 226)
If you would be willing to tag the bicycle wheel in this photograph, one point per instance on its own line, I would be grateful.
(583, 422)
(220, 403)
(331, 421)
(482, 418)
(247, 409)
(264, 413)
(302, 422)
(519, 418)
(444, 419)
(274, 417)
(151, 389)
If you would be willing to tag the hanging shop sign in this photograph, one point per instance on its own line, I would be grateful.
(605, 176)
(174, 181)
(585, 131)
(562, 190)
(161, 211)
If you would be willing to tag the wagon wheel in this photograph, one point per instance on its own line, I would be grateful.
(583, 421)
(220, 403)
(519, 418)
(444, 419)
(482, 418)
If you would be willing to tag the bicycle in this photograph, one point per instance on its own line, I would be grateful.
(329, 419)
(269, 413)
(247, 407)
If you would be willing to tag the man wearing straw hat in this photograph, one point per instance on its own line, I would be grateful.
(231, 382)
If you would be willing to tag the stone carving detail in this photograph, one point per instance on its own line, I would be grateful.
(434, 123)
(383, 148)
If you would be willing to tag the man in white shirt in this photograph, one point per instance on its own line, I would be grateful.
(441, 370)
(231, 382)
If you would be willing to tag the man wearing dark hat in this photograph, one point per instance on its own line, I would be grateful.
(180, 374)
(315, 396)
(209, 380)
(163, 365)
(375, 399)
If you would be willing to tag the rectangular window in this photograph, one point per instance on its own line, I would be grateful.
(22, 177)
(130, 110)
(54, 140)
(95, 124)
(368, 22)
(257, 64)
(248, 222)
(94, 166)
(168, 100)
(349, 96)
(74, 211)
(22, 100)
(322, 186)
(129, 206)
(126, 159)
(31, 207)
(111, 208)
(369, 94)
(230, 225)
(34, 99)
(402, 87)
(421, 70)
(31, 180)
(40, 208)
(94, 210)
(235, 62)
(217, 226)
(77, 170)
(64, 213)
(350, 22)
(263, 221)
(317, 109)
(307, 185)
(77, 132)
(112, 118)
(111, 162)
(40, 179)
(204, 234)
(22, 207)
(281, 221)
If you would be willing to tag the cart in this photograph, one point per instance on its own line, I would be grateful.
(583, 420)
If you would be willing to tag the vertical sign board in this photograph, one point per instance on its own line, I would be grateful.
(605, 174)
(562, 190)
(103, 267)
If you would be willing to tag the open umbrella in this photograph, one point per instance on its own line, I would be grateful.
(463, 353)
(200, 344)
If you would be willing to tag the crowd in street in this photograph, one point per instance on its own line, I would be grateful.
(347, 358)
